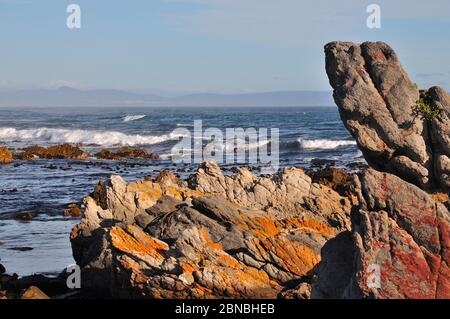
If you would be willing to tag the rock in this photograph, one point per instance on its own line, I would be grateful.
(64, 151)
(12, 190)
(72, 210)
(302, 291)
(2, 269)
(33, 292)
(21, 248)
(335, 178)
(376, 100)
(6, 156)
(126, 153)
(285, 193)
(27, 216)
(221, 237)
(54, 287)
(400, 230)
(322, 163)
(398, 246)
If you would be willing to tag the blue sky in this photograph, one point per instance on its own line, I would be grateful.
(209, 45)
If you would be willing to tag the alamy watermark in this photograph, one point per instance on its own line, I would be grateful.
(73, 280)
(74, 19)
(374, 19)
(229, 146)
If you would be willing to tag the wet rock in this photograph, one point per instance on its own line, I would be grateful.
(72, 210)
(21, 248)
(27, 216)
(2, 269)
(64, 151)
(376, 101)
(12, 190)
(322, 163)
(6, 156)
(126, 153)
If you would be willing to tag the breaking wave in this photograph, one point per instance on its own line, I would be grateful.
(130, 118)
(103, 138)
(323, 143)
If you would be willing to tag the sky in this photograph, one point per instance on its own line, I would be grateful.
(223, 46)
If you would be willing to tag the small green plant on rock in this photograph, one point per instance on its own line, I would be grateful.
(425, 108)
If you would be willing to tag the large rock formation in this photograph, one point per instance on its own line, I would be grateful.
(216, 236)
(376, 101)
(399, 243)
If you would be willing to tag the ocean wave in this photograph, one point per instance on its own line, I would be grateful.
(185, 125)
(239, 145)
(130, 118)
(78, 136)
(323, 143)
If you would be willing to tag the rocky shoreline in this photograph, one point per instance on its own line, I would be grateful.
(383, 232)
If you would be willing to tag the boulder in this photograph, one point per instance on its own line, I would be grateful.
(377, 103)
(6, 156)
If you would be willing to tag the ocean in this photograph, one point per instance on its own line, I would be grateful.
(308, 135)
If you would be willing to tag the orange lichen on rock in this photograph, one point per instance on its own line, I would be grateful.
(311, 224)
(135, 242)
(297, 258)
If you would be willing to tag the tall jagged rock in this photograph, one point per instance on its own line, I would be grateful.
(376, 98)
(398, 246)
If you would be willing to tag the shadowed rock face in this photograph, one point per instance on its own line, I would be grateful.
(375, 98)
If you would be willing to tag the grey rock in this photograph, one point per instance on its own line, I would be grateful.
(375, 98)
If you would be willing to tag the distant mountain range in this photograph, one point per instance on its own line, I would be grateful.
(66, 96)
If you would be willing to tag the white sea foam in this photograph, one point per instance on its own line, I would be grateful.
(240, 145)
(130, 118)
(323, 143)
(59, 135)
